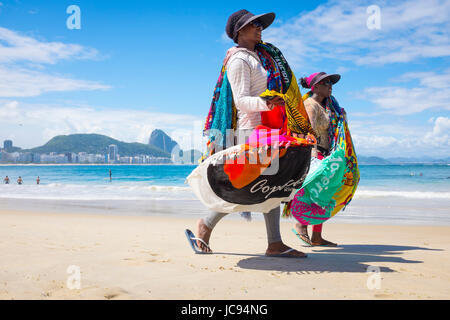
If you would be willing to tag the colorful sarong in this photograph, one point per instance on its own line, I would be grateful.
(255, 176)
(331, 182)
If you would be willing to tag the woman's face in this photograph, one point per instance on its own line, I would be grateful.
(324, 88)
(251, 32)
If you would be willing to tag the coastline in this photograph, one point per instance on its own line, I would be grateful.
(148, 257)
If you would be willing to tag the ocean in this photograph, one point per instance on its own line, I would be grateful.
(387, 194)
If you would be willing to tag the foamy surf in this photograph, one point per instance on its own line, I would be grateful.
(370, 194)
(83, 192)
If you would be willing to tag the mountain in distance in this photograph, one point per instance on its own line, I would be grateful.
(372, 161)
(404, 160)
(364, 160)
(161, 140)
(96, 144)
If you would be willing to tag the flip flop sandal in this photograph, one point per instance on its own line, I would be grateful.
(286, 254)
(304, 237)
(330, 244)
(193, 242)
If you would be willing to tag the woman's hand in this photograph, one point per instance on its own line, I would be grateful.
(276, 101)
(298, 135)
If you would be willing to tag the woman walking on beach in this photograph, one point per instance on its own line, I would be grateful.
(320, 110)
(248, 79)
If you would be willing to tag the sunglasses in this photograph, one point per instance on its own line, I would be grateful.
(326, 83)
(256, 23)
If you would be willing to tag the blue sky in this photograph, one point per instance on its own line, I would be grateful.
(138, 65)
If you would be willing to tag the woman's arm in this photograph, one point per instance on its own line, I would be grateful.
(239, 78)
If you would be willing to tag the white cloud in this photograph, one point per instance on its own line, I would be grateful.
(440, 135)
(434, 93)
(17, 82)
(32, 125)
(17, 48)
(337, 30)
(401, 138)
(21, 56)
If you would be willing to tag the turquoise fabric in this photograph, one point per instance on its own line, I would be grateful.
(325, 181)
(223, 113)
(313, 203)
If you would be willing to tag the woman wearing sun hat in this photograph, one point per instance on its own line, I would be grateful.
(318, 108)
(248, 79)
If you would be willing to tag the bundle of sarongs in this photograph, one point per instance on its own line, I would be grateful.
(331, 182)
(255, 176)
(271, 165)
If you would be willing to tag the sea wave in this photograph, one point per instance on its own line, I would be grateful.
(81, 192)
(136, 191)
(368, 193)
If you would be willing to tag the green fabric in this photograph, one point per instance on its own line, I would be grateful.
(326, 180)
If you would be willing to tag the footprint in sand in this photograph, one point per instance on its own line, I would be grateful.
(133, 261)
(381, 295)
(115, 293)
(160, 261)
(139, 262)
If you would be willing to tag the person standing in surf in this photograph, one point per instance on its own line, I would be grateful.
(248, 79)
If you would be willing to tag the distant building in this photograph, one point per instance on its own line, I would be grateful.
(70, 157)
(53, 158)
(7, 145)
(25, 157)
(35, 158)
(113, 153)
(5, 157)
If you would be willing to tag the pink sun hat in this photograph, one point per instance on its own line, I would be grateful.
(310, 81)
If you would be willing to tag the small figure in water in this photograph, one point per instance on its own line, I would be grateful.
(110, 175)
(6, 180)
(38, 180)
(19, 181)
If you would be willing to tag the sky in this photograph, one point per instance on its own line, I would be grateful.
(134, 66)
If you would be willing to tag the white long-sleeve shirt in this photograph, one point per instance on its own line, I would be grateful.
(248, 79)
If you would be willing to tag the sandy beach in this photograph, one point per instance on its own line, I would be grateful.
(138, 257)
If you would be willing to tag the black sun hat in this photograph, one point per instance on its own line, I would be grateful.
(241, 18)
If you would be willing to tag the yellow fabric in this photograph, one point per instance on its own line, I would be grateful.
(345, 194)
(298, 120)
